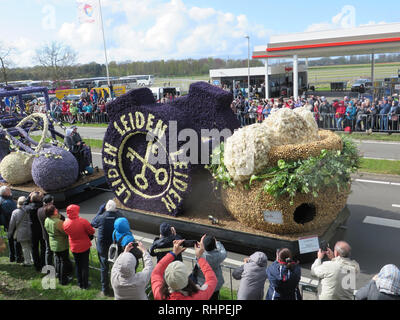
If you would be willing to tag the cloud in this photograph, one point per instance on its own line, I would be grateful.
(160, 29)
(346, 18)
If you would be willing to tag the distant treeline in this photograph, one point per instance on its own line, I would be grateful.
(174, 68)
(161, 68)
(383, 58)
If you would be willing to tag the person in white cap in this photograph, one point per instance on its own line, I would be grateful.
(170, 279)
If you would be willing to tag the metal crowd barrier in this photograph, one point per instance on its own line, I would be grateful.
(384, 123)
(92, 117)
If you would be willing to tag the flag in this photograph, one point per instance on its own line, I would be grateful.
(87, 10)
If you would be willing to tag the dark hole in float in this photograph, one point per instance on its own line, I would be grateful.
(304, 213)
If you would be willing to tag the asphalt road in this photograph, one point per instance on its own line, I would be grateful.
(368, 149)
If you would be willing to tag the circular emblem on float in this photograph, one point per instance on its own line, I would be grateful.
(139, 166)
(147, 179)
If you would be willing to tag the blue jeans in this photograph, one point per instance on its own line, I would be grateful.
(104, 267)
(339, 124)
(384, 123)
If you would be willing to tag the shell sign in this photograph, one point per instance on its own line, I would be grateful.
(142, 157)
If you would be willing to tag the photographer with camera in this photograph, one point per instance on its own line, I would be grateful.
(170, 279)
(333, 272)
(104, 222)
(126, 282)
(215, 254)
(166, 240)
(284, 276)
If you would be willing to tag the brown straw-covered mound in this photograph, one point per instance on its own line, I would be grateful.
(292, 152)
(306, 214)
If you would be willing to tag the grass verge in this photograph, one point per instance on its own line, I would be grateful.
(374, 136)
(380, 166)
(92, 143)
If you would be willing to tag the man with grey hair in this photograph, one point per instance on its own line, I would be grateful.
(7, 206)
(338, 276)
(104, 221)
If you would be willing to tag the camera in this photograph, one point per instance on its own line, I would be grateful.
(323, 245)
(189, 243)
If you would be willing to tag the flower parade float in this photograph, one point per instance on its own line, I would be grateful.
(264, 186)
(46, 165)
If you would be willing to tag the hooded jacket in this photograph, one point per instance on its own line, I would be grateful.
(121, 228)
(283, 282)
(252, 276)
(214, 258)
(331, 274)
(371, 292)
(126, 283)
(157, 280)
(78, 230)
(104, 221)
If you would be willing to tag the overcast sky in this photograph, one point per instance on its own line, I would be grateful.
(175, 29)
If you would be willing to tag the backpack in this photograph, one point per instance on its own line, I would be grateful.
(115, 249)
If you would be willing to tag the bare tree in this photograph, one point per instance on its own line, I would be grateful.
(5, 61)
(57, 57)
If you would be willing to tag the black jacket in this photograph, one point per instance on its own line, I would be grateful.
(371, 292)
(32, 209)
(167, 242)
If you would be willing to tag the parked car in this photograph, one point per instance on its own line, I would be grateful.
(360, 83)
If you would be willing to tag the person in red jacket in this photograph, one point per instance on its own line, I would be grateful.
(340, 113)
(170, 279)
(79, 233)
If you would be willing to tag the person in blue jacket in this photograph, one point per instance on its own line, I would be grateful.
(122, 230)
(104, 222)
(284, 277)
(383, 114)
(351, 112)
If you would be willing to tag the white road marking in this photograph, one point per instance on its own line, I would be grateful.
(378, 182)
(381, 159)
(377, 142)
(382, 222)
(396, 205)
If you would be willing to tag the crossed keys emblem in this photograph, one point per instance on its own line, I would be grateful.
(161, 174)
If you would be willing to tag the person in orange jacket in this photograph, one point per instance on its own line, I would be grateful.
(170, 279)
(80, 234)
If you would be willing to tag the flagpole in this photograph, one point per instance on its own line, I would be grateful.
(105, 48)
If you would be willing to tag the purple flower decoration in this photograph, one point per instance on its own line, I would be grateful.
(128, 153)
(50, 173)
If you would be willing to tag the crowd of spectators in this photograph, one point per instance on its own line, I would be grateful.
(358, 114)
(169, 278)
(91, 107)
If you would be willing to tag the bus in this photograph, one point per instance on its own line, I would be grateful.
(142, 80)
(85, 83)
(129, 84)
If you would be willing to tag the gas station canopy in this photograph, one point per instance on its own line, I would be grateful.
(372, 39)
